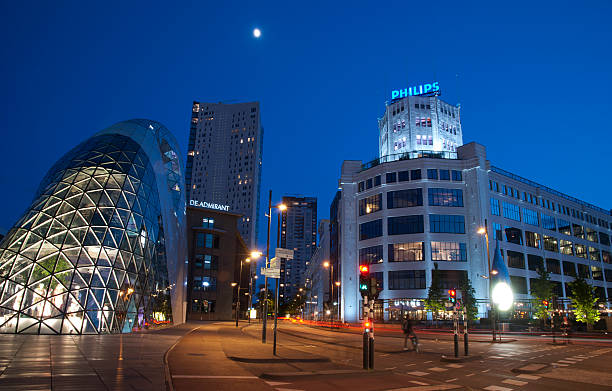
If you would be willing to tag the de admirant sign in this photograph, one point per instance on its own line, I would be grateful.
(209, 205)
(423, 89)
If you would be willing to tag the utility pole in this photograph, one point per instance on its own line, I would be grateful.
(265, 306)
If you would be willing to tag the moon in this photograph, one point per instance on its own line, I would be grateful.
(257, 33)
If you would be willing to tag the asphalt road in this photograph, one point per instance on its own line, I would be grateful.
(219, 356)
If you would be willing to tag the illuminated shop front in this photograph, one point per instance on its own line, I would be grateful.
(99, 250)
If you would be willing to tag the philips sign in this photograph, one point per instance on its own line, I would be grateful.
(209, 205)
(423, 89)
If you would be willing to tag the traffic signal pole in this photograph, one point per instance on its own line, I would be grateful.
(465, 331)
(366, 337)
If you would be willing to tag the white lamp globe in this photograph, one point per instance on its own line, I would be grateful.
(502, 296)
(257, 33)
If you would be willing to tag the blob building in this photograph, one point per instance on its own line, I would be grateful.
(101, 248)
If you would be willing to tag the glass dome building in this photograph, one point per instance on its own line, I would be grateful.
(101, 248)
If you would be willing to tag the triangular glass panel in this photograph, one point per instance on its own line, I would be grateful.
(98, 220)
(87, 214)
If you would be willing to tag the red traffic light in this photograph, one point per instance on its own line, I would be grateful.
(545, 303)
(364, 269)
(366, 325)
(452, 293)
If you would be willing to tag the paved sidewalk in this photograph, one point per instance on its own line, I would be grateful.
(87, 362)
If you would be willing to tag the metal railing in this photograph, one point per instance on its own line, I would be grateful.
(409, 156)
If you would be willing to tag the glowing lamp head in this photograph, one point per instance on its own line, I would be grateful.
(482, 230)
(282, 207)
(326, 264)
(257, 33)
(502, 296)
(255, 254)
(364, 268)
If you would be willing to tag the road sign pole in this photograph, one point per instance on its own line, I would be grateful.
(366, 342)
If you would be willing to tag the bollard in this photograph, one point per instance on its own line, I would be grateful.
(365, 350)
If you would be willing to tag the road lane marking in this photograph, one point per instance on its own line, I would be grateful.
(418, 373)
(560, 365)
(450, 380)
(455, 365)
(276, 383)
(420, 383)
(565, 361)
(529, 377)
(427, 362)
(514, 382)
(409, 365)
(486, 370)
(497, 388)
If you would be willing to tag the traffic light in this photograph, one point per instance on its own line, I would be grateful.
(364, 280)
(452, 296)
(374, 288)
(545, 303)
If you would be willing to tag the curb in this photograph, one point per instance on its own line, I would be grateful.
(167, 375)
(276, 360)
(489, 341)
(286, 375)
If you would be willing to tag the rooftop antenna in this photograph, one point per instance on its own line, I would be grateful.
(458, 90)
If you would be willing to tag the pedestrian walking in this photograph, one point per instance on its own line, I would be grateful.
(409, 333)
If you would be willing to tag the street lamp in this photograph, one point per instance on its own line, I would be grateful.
(254, 255)
(281, 207)
(485, 231)
(248, 260)
(330, 266)
(338, 301)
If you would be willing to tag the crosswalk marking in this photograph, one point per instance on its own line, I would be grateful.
(420, 383)
(418, 373)
(528, 377)
(455, 365)
(438, 369)
(497, 388)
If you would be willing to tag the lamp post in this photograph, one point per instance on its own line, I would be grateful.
(254, 255)
(329, 266)
(485, 231)
(338, 302)
(233, 284)
(281, 208)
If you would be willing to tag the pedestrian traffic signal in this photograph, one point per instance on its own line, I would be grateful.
(452, 296)
(364, 280)
(545, 303)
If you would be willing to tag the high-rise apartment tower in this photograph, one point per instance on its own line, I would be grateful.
(224, 161)
(298, 233)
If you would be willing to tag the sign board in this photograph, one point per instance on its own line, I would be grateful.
(423, 89)
(270, 273)
(284, 253)
(275, 263)
(209, 205)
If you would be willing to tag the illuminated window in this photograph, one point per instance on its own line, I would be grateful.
(406, 252)
(448, 251)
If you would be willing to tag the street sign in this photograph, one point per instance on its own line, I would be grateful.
(275, 263)
(283, 253)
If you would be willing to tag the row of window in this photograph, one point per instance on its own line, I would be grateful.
(401, 225)
(550, 243)
(551, 205)
(532, 217)
(411, 197)
(410, 175)
(413, 252)
(204, 240)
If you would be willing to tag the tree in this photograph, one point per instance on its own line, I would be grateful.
(435, 300)
(468, 297)
(584, 302)
(260, 301)
(542, 290)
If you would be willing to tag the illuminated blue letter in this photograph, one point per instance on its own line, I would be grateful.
(436, 87)
(403, 93)
(394, 94)
(427, 88)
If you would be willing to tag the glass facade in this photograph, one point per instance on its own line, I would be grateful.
(89, 255)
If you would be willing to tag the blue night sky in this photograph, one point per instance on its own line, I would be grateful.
(534, 82)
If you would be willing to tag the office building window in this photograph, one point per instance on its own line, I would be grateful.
(407, 279)
(377, 180)
(597, 273)
(432, 173)
(209, 284)
(564, 227)
(497, 232)
(519, 285)
(207, 240)
(566, 247)
(550, 243)
(448, 251)
(495, 207)
(594, 254)
(581, 250)
(591, 235)
(361, 186)
(583, 271)
(457, 176)
(578, 230)
(371, 229)
(444, 175)
(391, 177)
(513, 235)
(369, 183)
(530, 217)
(532, 239)
(453, 224)
(608, 273)
(445, 197)
(548, 222)
(553, 266)
(371, 255)
(405, 225)
(606, 257)
(415, 175)
(370, 204)
(211, 262)
(208, 223)
(515, 259)
(569, 269)
(404, 198)
(604, 239)
(511, 211)
(406, 252)
(535, 262)
(403, 176)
